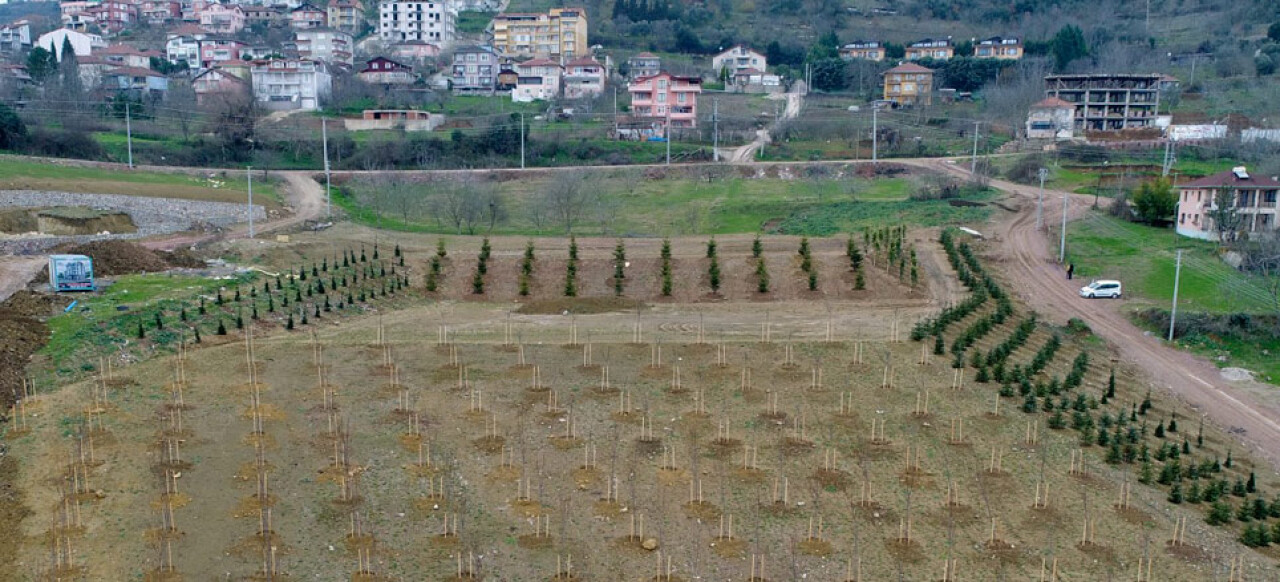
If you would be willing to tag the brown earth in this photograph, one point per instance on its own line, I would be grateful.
(117, 257)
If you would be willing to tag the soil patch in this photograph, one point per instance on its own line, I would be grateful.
(580, 305)
(117, 257)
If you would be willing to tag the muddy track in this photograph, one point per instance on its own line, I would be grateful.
(1029, 261)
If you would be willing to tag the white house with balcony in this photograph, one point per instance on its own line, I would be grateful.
(538, 80)
(583, 78)
(285, 84)
(739, 58)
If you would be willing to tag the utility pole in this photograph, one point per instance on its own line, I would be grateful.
(668, 135)
(249, 173)
(875, 132)
(973, 160)
(324, 136)
(522, 139)
(615, 112)
(128, 132)
(715, 130)
(1168, 158)
(1043, 173)
(1177, 273)
(1062, 246)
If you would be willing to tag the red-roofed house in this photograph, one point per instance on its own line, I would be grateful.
(384, 71)
(160, 11)
(127, 56)
(216, 83)
(220, 50)
(666, 96)
(307, 16)
(908, 84)
(583, 78)
(222, 19)
(1251, 202)
(1051, 118)
(539, 80)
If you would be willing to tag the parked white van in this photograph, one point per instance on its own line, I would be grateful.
(1101, 288)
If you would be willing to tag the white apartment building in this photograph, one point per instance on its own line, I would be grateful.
(430, 22)
(284, 84)
(328, 45)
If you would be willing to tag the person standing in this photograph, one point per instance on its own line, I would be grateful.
(1071, 270)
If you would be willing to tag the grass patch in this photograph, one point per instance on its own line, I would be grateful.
(630, 205)
(1143, 258)
(472, 22)
(21, 174)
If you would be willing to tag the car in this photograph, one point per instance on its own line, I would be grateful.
(1101, 288)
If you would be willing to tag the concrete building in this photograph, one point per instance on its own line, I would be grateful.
(222, 19)
(325, 44)
(216, 51)
(136, 82)
(998, 48)
(346, 15)
(560, 34)
(414, 50)
(1108, 102)
(666, 96)
(584, 78)
(112, 16)
(738, 58)
(283, 84)
(644, 65)
(1250, 202)
(928, 48)
(159, 12)
(384, 71)
(475, 70)
(83, 44)
(430, 22)
(308, 16)
(128, 56)
(15, 36)
(1051, 118)
(908, 85)
(386, 119)
(217, 83)
(537, 80)
(867, 50)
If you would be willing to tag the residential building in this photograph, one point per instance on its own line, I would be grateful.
(384, 71)
(474, 69)
(158, 12)
(284, 84)
(183, 45)
(82, 43)
(15, 36)
(666, 96)
(216, 83)
(908, 84)
(1108, 102)
(538, 80)
(1250, 202)
(753, 81)
(112, 16)
(91, 70)
(1052, 119)
(269, 15)
(867, 50)
(560, 34)
(644, 65)
(584, 78)
(738, 58)
(384, 119)
(222, 18)
(403, 21)
(325, 44)
(940, 50)
(346, 15)
(128, 56)
(507, 79)
(215, 51)
(307, 16)
(999, 48)
(14, 77)
(414, 50)
(135, 81)
(75, 15)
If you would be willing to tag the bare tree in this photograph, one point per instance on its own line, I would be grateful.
(567, 199)
(467, 204)
(1225, 220)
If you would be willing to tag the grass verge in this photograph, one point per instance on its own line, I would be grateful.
(22, 174)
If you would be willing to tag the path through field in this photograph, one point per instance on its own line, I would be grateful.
(795, 100)
(1248, 409)
(16, 272)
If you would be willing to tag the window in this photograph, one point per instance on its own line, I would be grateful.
(680, 97)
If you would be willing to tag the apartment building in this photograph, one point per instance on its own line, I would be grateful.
(644, 64)
(222, 19)
(1251, 203)
(584, 78)
(325, 44)
(928, 48)
(909, 84)
(1106, 102)
(430, 22)
(15, 36)
(560, 34)
(998, 48)
(346, 15)
(666, 96)
(308, 16)
(867, 50)
(475, 69)
(284, 84)
(739, 58)
(537, 80)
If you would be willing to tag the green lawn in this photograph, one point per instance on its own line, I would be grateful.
(472, 22)
(22, 174)
(1142, 257)
(630, 205)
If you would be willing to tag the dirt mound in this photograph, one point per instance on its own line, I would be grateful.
(22, 332)
(116, 257)
(182, 258)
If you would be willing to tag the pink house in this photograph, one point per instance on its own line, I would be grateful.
(220, 50)
(1251, 202)
(222, 19)
(583, 78)
(308, 16)
(666, 96)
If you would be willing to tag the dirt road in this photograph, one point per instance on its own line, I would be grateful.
(795, 100)
(16, 272)
(302, 194)
(1030, 262)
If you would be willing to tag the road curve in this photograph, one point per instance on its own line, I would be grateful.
(1030, 264)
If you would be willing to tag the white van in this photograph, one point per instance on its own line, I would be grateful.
(1101, 288)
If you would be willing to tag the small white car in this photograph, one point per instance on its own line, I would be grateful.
(1101, 288)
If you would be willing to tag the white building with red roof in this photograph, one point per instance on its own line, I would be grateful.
(584, 78)
(1052, 118)
(539, 80)
(1247, 201)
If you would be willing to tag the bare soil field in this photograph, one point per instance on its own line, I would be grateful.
(463, 439)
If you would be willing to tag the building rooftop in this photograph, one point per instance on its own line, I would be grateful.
(1053, 103)
(1233, 178)
(909, 68)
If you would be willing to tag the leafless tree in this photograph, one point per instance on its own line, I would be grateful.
(567, 199)
(467, 204)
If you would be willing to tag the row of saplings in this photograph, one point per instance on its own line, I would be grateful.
(435, 270)
(1122, 430)
(307, 292)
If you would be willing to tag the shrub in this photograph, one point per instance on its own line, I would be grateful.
(762, 276)
(813, 281)
(711, 248)
(440, 251)
(757, 247)
(713, 274)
